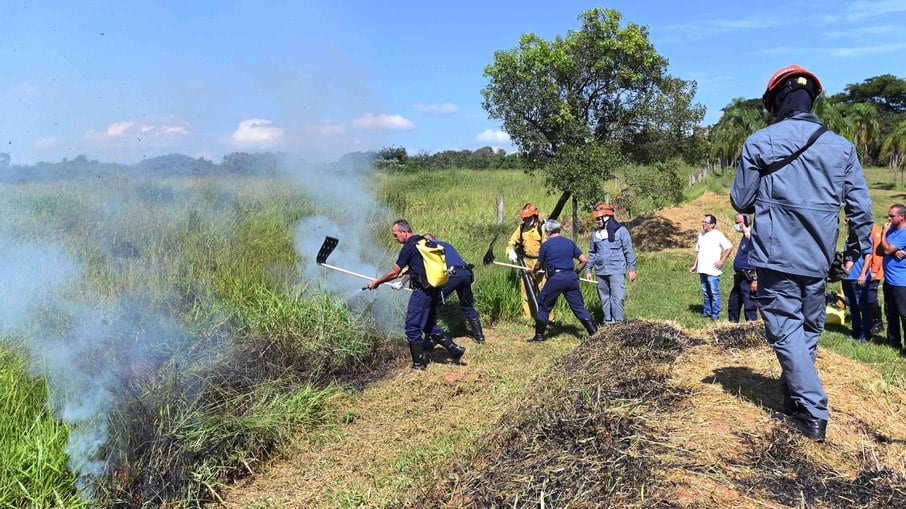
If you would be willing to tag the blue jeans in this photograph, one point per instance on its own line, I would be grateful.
(612, 291)
(711, 294)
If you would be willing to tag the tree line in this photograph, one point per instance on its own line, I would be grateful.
(871, 114)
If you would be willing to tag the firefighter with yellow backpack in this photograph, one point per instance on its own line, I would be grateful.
(427, 273)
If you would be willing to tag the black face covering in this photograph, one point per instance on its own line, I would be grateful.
(797, 101)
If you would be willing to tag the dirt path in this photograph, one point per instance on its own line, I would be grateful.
(397, 431)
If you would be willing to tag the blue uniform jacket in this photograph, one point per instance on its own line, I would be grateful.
(797, 208)
(611, 256)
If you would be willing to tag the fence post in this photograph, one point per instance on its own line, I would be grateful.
(500, 209)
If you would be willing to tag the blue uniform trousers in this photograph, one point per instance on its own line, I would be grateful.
(741, 298)
(567, 283)
(793, 308)
(421, 315)
(461, 283)
(612, 291)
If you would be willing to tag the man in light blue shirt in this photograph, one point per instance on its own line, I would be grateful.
(893, 243)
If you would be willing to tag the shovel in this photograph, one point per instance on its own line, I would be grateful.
(327, 247)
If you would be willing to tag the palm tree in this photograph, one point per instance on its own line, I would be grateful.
(740, 119)
(830, 113)
(862, 119)
(894, 149)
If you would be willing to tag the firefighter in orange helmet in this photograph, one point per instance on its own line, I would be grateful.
(523, 249)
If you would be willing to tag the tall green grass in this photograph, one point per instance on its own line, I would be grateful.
(257, 350)
(33, 471)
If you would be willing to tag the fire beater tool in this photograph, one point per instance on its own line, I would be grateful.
(328, 247)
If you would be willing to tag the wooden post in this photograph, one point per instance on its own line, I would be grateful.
(500, 209)
(606, 197)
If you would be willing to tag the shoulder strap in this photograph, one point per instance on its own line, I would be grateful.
(790, 158)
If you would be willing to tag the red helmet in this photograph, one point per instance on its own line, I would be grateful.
(529, 210)
(602, 209)
(786, 80)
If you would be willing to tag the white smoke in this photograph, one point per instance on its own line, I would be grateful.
(351, 214)
(85, 345)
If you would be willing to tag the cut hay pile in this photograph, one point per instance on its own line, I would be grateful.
(643, 415)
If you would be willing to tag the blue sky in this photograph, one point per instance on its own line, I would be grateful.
(121, 80)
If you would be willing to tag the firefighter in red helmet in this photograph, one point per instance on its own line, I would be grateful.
(795, 176)
(523, 249)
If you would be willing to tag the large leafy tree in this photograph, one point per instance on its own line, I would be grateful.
(577, 105)
(886, 90)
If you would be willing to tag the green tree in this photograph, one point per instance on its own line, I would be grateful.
(601, 89)
(887, 91)
(830, 111)
(862, 119)
(740, 118)
(893, 149)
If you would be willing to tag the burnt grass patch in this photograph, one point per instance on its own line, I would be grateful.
(584, 435)
(593, 431)
(779, 471)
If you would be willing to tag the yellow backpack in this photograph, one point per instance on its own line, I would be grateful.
(435, 261)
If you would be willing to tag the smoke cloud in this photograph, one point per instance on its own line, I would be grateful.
(90, 344)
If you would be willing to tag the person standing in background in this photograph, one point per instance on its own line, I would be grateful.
(712, 250)
(745, 279)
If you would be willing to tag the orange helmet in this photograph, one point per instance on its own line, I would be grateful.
(529, 210)
(786, 80)
(602, 209)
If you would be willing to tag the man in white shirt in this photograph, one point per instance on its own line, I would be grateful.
(712, 250)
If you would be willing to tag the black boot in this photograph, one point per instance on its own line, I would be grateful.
(477, 333)
(808, 426)
(539, 332)
(590, 326)
(878, 321)
(419, 361)
(453, 349)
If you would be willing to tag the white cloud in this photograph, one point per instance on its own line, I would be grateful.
(141, 131)
(326, 129)
(867, 9)
(175, 129)
(862, 51)
(119, 128)
(383, 121)
(437, 109)
(492, 136)
(255, 132)
(45, 142)
(29, 90)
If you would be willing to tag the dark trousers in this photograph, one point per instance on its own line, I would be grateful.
(741, 298)
(895, 309)
(567, 283)
(859, 300)
(421, 315)
(461, 283)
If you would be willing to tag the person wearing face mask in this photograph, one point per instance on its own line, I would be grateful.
(611, 256)
(745, 279)
(523, 249)
(795, 176)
